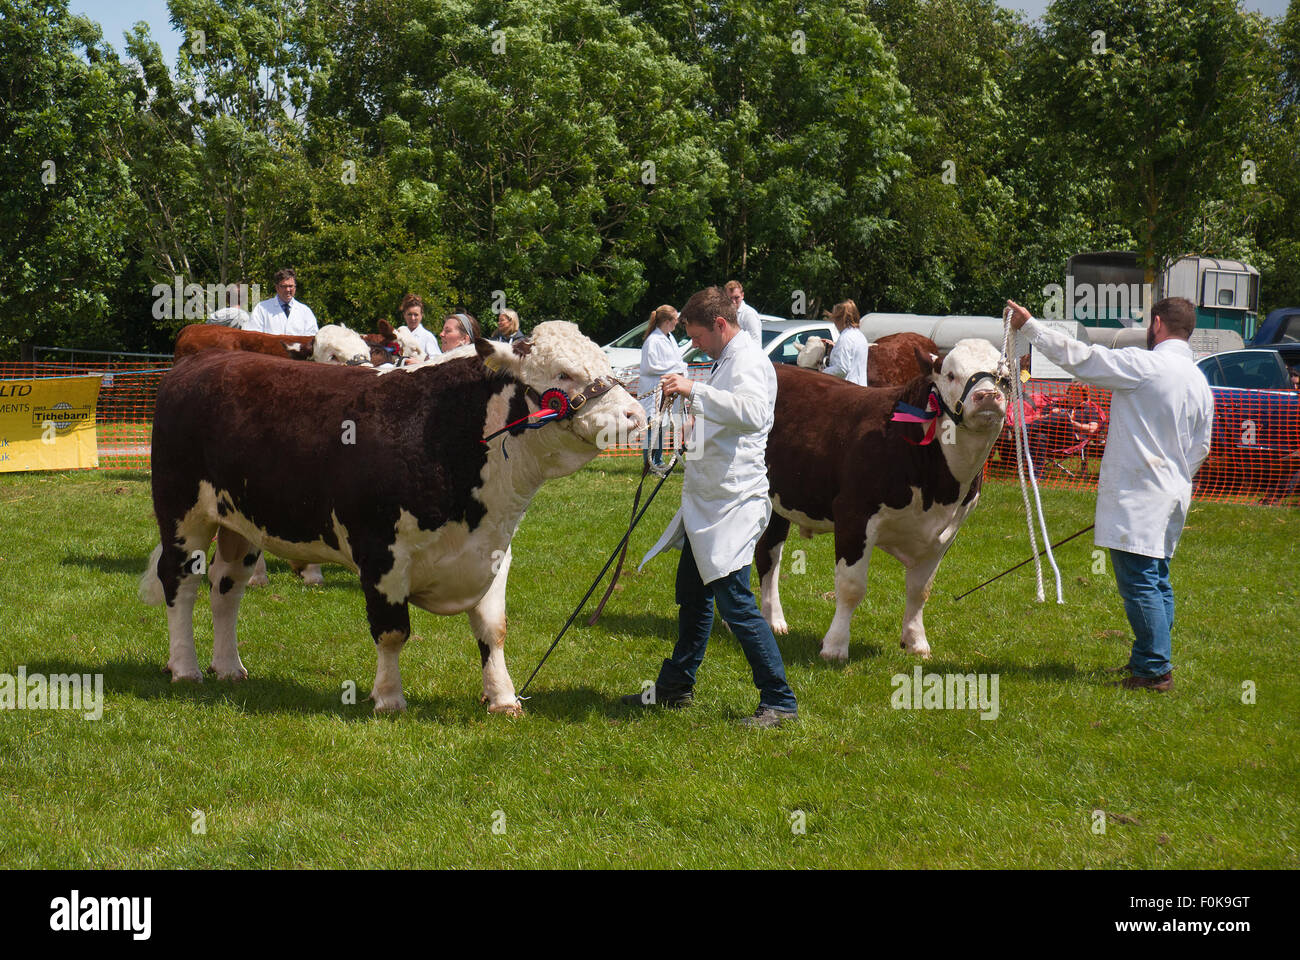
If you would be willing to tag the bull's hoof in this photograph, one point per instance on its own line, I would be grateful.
(779, 627)
(515, 709)
(834, 656)
(233, 674)
(921, 650)
(180, 674)
(259, 581)
(388, 703)
(312, 576)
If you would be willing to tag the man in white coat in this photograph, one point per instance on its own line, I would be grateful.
(1161, 413)
(746, 316)
(282, 314)
(725, 508)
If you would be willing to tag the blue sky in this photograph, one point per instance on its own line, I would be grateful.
(115, 18)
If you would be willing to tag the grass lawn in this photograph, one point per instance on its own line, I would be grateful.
(285, 774)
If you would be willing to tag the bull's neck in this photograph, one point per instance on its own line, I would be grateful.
(968, 451)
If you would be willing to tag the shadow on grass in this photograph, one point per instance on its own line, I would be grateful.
(258, 695)
(339, 579)
(134, 564)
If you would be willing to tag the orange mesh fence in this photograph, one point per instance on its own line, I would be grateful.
(1254, 451)
(124, 416)
(1254, 456)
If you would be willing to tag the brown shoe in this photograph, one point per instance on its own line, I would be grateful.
(1161, 684)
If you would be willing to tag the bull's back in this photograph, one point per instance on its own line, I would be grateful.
(198, 337)
(293, 447)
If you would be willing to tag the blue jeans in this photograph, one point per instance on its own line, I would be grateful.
(736, 605)
(1149, 602)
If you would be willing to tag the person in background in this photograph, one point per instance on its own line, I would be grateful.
(848, 357)
(282, 314)
(746, 315)
(1064, 424)
(459, 329)
(413, 317)
(1163, 414)
(508, 327)
(660, 353)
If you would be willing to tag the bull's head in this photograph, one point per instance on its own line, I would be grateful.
(970, 388)
(558, 357)
(338, 344)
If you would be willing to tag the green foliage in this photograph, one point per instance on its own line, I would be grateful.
(590, 159)
(558, 138)
(1159, 97)
(61, 96)
(815, 130)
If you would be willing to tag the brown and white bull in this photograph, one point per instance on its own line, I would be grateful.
(387, 473)
(838, 463)
(892, 361)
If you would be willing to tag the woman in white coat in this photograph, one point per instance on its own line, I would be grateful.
(848, 359)
(660, 354)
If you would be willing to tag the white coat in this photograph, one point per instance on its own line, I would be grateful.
(725, 506)
(269, 317)
(747, 318)
(427, 340)
(848, 359)
(660, 356)
(1161, 412)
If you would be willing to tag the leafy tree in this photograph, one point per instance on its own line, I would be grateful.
(61, 251)
(1156, 96)
(815, 129)
(558, 139)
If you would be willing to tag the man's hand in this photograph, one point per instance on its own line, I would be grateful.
(1018, 315)
(675, 385)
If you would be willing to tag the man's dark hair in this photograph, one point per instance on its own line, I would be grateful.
(1178, 314)
(285, 274)
(705, 305)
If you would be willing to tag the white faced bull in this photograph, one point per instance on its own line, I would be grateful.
(389, 474)
(874, 480)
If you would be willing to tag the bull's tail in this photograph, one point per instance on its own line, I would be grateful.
(151, 588)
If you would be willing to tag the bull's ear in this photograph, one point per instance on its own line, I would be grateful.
(498, 356)
(385, 329)
(927, 363)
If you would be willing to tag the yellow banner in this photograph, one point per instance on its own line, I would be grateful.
(48, 423)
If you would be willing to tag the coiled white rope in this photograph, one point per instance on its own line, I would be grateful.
(655, 432)
(1024, 460)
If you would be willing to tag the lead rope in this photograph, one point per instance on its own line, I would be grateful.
(651, 463)
(1025, 462)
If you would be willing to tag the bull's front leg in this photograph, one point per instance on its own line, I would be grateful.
(390, 625)
(767, 556)
(919, 579)
(854, 541)
(488, 621)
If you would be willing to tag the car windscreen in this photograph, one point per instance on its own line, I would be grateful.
(633, 339)
(1249, 369)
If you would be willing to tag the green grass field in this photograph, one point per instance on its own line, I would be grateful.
(284, 774)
